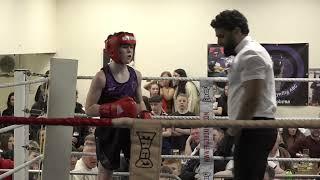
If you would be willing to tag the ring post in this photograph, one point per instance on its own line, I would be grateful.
(21, 134)
(62, 101)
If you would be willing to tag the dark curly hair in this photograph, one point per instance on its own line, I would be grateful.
(229, 20)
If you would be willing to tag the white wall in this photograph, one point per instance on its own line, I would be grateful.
(174, 34)
(27, 26)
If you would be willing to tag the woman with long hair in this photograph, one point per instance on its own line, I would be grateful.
(188, 88)
(6, 145)
(166, 90)
(10, 105)
(290, 136)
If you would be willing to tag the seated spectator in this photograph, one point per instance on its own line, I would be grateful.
(88, 140)
(221, 109)
(174, 165)
(165, 170)
(155, 103)
(79, 106)
(154, 90)
(290, 136)
(188, 88)
(268, 175)
(73, 159)
(87, 164)
(39, 108)
(10, 106)
(179, 135)
(310, 143)
(34, 151)
(279, 152)
(191, 168)
(6, 164)
(193, 142)
(6, 145)
(156, 106)
(166, 91)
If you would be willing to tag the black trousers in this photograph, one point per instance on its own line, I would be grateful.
(251, 151)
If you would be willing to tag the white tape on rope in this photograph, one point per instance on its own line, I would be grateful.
(206, 134)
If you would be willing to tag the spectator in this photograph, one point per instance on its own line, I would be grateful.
(167, 92)
(6, 164)
(179, 136)
(156, 107)
(6, 145)
(165, 170)
(279, 152)
(73, 159)
(39, 108)
(10, 106)
(174, 165)
(315, 98)
(87, 164)
(34, 151)
(154, 90)
(191, 169)
(222, 108)
(310, 143)
(188, 88)
(193, 142)
(290, 136)
(79, 132)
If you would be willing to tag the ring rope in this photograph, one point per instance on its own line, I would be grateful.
(184, 157)
(216, 79)
(198, 117)
(9, 128)
(5, 85)
(128, 122)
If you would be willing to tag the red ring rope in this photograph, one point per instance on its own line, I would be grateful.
(72, 121)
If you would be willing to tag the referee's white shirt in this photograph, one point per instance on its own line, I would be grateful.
(251, 62)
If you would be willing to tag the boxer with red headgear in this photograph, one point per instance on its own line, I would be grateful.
(115, 91)
(113, 43)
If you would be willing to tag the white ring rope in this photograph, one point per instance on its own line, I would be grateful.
(227, 118)
(225, 79)
(5, 85)
(20, 167)
(9, 128)
(214, 157)
(215, 79)
(216, 117)
(278, 176)
(73, 172)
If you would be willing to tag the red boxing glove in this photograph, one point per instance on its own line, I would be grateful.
(124, 107)
(145, 115)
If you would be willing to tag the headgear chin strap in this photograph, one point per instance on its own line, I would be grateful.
(114, 41)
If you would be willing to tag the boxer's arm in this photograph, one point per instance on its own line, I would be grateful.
(97, 84)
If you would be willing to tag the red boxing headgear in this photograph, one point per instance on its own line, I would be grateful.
(112, 44)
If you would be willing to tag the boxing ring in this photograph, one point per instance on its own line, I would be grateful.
(146, 134)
